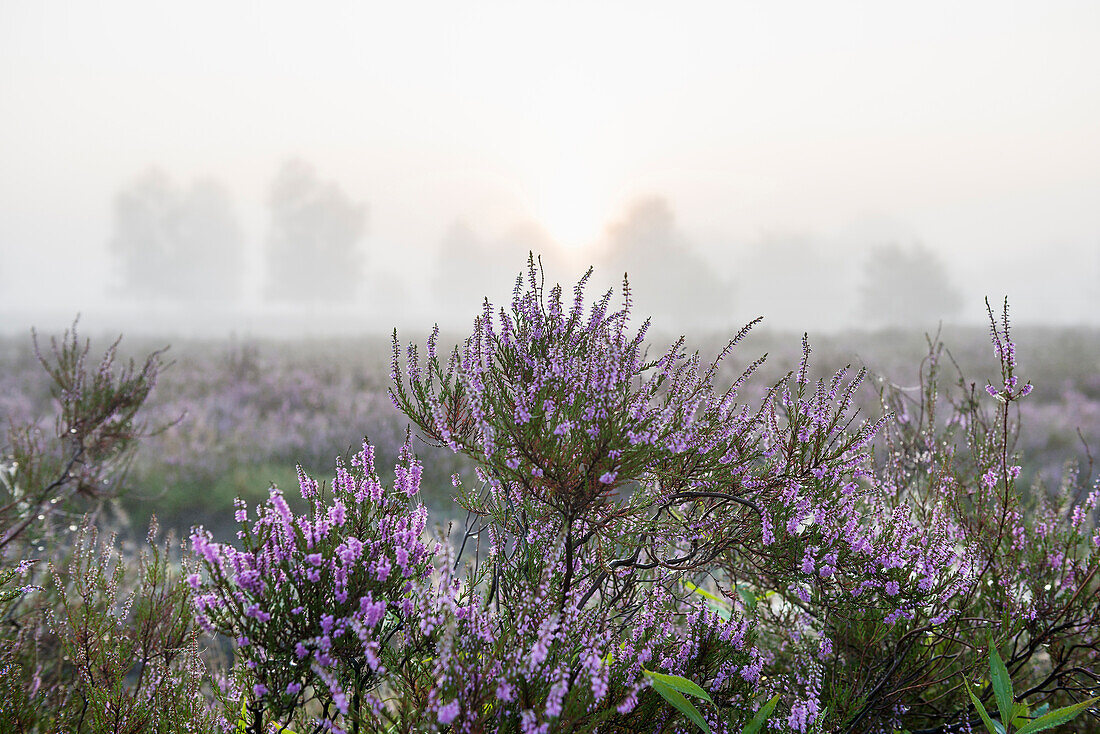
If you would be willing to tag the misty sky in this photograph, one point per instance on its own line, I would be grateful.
(973, 128)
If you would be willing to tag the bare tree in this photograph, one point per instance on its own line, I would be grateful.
(177, 244)
(907, 287)
(471, 267)
(667, 277)
(313, 249)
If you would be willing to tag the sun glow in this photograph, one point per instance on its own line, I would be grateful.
(572, 158)
(570, 209)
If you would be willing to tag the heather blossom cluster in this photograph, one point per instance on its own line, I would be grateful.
(313, 601)
(642, 552)
(534, 667)
(645, 476)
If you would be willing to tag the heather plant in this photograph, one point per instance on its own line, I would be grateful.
(95, 433)
(93, 639)
(316, 603)
(1014, 716)
(1026, 575)
(129, 651)
(648, 480)
(45, 483)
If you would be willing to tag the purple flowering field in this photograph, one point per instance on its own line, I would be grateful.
(560, 522)
(241, 414)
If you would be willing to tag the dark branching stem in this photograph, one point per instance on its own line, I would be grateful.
(257, 711)
(568, 581)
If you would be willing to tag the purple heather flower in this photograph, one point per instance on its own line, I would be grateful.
(448, 713)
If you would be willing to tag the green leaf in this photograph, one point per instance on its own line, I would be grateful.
(748, 598)
(713, 602)
(242, 723)
(1002, 683)
(981, 709)
(761, 716)
(705, 593)
(721, 611)
(679, 683)
(677, 699)
(1058, 716)
(1020, 714)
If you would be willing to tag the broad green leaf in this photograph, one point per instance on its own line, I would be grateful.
(721, 611)
(1058, 716)
(1002, 683)
(761, 716)
(705, 593)
(686, 707)
(681, 684)
(1020, 714)
(242, 722)
(981, 709)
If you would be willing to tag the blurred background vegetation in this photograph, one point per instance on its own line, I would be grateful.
(234, 416)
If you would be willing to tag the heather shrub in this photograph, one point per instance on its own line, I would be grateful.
(1028, 583)
(649, 481)
(314, 602)
(651, 543)
(94, 637)
(124, 629)
(643, 552)
(868, 590)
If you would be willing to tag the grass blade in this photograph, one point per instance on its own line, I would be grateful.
(981, 709)
(761, 716)
(1002, 683)
(686, 707)
(681, 684)
(1058, 716)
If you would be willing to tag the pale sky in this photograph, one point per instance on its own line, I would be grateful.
(973, 127)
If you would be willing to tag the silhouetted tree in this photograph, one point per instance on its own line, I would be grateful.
(795, 282)
(470, 268)
(907, 287)
(177, 244)
(667, 278)
(312, 247)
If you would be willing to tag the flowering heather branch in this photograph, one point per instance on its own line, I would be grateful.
(1029, 574)
(643, 474)
(629, 520)
(314, 601)
(96, 430)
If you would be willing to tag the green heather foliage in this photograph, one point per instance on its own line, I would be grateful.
(652, 543)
